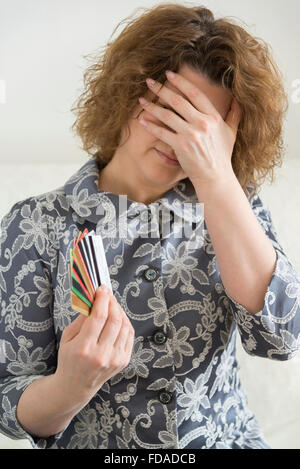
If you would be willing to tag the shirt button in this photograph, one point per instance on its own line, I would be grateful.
(165, 397)
(151, 274)
(159, 337)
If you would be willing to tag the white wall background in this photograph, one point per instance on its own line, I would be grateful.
(42, 49)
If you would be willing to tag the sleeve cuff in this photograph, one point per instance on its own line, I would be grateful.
(240, 308)
(11, 390)
(273, 332)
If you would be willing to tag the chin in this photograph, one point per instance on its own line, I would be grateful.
(159, 172)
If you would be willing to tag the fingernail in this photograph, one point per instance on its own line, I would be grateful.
(102, 288)
(150, 81)
(170, 74)
(144, 101)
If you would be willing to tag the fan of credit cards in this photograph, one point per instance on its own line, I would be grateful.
(88, 270)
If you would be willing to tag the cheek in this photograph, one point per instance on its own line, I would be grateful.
(140, 131)
(140, 140)
(149, 117)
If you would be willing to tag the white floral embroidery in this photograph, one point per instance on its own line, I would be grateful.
(181, 388)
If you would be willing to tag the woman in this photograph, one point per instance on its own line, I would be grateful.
(154, 364)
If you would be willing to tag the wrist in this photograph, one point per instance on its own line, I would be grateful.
(43, 409)
(206, 190)
(68, 402)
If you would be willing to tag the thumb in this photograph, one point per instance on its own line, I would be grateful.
(234, 116)
(72, 329)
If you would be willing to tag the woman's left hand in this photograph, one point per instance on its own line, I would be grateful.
(203, 142)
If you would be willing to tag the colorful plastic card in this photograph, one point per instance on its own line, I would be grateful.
(88, 270)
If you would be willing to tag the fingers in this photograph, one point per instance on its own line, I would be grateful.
(108, 325)
(95, 322)
(121, 339)
(124, 342)
(129, 343)
(73, 329)
(113, 324)
(125, 331)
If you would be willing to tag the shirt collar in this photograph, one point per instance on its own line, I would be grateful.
(90, 203)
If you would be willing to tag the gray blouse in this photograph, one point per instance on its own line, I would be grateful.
(181, 388)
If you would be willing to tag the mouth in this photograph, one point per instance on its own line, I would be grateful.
(167, 155)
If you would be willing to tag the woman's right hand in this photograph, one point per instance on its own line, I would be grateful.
(93, 349)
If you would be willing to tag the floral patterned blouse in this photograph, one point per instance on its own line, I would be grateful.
(181, 388)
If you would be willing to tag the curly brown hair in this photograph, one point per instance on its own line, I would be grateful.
(164, 38)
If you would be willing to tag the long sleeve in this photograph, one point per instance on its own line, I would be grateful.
(181, 388)
(274, 332)
(27, 338)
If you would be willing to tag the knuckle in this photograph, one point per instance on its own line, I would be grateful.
(115, 322)
(115, 317)
(205, 126)
(114, 363)
(100, 308)
(176, 100)
(193, 92)
(126, 319)
(113, 303)
(101, 314)
(125, 326)
(105, 296)
(84, 352)
(101, 363)
(114, 311)
(166, 115)
(192, 133)
(98, 304)
(159, 131)
(101, 358)
(102, 355)
(215, 118)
